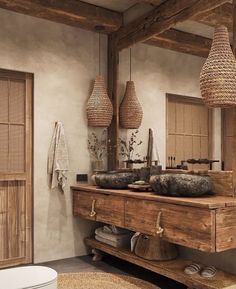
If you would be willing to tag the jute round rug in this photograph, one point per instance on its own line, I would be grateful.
(97, 280)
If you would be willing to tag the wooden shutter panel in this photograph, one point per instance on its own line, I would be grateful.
(188, 130)
(15, 168)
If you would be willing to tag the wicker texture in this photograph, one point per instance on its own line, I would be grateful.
(218, 75)
(131, 113)
(99, 280)
(99, 106)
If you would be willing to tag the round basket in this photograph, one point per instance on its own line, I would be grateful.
(131, 113)
(99, 106)
(218, 75)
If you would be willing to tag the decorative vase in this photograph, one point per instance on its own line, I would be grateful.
(99, 106)
(97, 166)
(218, 75)
(131, 113)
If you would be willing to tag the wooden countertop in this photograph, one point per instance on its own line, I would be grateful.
(208, 202)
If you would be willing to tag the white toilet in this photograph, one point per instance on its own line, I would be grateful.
(28, 277)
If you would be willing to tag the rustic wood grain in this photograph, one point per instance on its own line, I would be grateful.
(223, 182)
(210, 202)
(70, 12)
(221, 15)
(153, 2)
(182, 42)
(109, 209)
(172, 269)
(190, 227)
(16, 179)
(225, 229)
(162, 18)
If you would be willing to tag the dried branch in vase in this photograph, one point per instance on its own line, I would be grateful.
(128, 147)
(97, 146)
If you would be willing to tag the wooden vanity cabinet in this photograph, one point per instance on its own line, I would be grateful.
(108, 209)
(191, 227)
(207, 224)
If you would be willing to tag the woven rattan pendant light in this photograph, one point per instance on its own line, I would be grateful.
(218, 75)
(131, 113)
(99, 107)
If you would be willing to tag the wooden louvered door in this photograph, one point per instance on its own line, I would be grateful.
(189, 124)
(15, 168)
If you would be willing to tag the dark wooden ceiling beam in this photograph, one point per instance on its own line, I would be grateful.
(153, 2)
(221, 15)
(162, 18)
(71, 12)
(182, 42)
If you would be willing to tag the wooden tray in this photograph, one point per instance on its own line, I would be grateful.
(140, 188)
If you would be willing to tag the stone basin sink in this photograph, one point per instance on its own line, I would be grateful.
(182, 185)
(116, 180)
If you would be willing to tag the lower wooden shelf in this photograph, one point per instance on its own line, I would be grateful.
(172, 269)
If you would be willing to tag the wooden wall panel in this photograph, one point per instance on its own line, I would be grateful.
(171, 117)
(188, 130)
(179, 111)
(3, 221)
(188, 125)
(15, 168)
(4, 147)
(4, 100)
(17, 101)
(17, 148)
(179, 154)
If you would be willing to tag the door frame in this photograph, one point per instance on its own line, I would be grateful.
(28, 175)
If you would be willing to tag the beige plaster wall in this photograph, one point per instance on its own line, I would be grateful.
(157, 71)
(64, 61)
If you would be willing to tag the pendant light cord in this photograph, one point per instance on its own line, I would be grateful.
(130, 64)
(99, 53)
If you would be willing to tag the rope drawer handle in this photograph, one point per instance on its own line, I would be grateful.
(159, 230)
(93, 212)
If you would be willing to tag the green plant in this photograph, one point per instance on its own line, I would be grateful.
(98, 146)
(127, 148)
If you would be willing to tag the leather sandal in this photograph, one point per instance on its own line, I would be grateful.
(208, 272)
(192, 269)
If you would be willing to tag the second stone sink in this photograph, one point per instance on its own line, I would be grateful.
(116, 180)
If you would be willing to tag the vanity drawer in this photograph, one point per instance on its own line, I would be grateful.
(225, 229)
(99, 207)
(187, 226)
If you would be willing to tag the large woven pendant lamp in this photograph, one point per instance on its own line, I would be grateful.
(218, 75)
(99, 106)
(130, 113)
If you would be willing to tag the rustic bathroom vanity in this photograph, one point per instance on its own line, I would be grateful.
(206, 224)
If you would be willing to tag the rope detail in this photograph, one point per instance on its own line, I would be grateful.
(93, 212)
(160, 230)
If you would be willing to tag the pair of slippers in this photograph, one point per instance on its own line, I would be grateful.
(206, 272)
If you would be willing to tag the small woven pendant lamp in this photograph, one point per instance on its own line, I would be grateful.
(218, 75)
(99, 107)
(130, 113)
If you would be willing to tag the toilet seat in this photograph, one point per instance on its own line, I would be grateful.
(27, 277)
